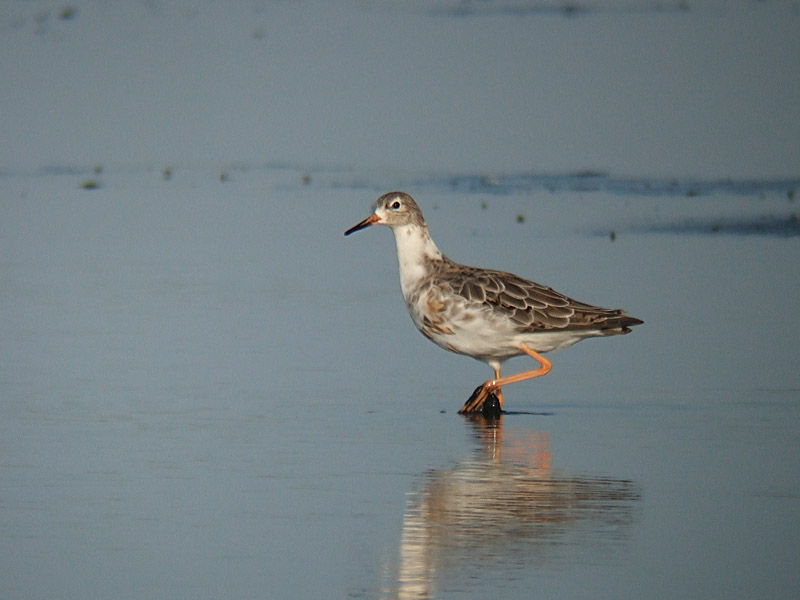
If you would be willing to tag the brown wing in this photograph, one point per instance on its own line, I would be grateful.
(533, 306)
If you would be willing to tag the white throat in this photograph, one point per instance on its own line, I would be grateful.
(415, 249)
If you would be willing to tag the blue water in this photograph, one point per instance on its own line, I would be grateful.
(208, 391)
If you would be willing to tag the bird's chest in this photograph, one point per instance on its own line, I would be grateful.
(415, 256)
(456, 325)
(413, 273)
(431, 312)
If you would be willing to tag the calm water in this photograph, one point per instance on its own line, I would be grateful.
(207, 391)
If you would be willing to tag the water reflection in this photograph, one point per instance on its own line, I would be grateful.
(503, 508)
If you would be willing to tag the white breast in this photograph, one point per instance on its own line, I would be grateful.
(415, 249)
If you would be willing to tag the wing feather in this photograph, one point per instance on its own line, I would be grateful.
(532, 306)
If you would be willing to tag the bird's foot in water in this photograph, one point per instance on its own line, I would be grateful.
(482, 402)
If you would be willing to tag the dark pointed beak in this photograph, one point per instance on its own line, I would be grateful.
(370, 220)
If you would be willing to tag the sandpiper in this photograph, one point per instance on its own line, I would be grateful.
(486, 314)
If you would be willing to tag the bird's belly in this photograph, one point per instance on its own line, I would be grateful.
(482, 334)
(477, 338)
(496, 343)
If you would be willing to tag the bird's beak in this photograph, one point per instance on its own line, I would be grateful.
(370, 220)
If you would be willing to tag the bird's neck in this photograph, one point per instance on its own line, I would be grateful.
(415, 253)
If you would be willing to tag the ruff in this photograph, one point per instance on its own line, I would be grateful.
(486, 314)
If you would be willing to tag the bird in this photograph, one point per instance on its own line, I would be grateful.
(486, 314)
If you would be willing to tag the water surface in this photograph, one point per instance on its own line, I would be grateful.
(199, 401)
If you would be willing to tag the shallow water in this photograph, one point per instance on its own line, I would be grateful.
(208, 391)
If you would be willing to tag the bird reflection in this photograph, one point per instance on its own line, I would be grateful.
(505, 507)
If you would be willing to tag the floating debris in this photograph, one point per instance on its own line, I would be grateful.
(68, 13)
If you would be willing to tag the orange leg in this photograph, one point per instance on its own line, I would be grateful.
(476, 401)
(499, 391)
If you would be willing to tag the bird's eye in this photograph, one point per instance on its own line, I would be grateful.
(395, 205)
